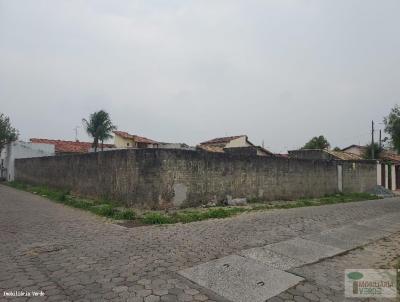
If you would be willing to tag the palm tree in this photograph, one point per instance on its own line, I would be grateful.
(99, 126)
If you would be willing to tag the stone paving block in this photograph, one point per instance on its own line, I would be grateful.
(241, 279)
(348, 237)
(271, 258)
(304, 250)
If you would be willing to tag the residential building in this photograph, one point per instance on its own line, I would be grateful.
(19, 149)
(69, 147)
(125, 140)
(239, 144)
(355, 149)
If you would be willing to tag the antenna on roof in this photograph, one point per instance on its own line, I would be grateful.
(76, 133)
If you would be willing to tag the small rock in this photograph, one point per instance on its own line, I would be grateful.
(236, 202)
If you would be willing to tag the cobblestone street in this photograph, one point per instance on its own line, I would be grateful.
(72, 255)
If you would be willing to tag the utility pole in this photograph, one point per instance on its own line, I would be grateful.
(76, 132)
(380, 139)
(372, 142)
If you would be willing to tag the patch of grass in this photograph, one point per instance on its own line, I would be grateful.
(109, 209)
(190, 216)
(101, 207)
(157, 218)
(103, 210)
(56, 195)
(125, 214)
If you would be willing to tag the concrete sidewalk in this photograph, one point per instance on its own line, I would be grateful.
(261, 273)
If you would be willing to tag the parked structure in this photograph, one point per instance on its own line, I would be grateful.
(239, 144)
(17, 150)
(123, 140)
(68, 147)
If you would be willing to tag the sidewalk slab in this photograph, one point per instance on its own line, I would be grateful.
(348, 237)
(241, 279)
(304, 250)
(389, 222)
(271, 258)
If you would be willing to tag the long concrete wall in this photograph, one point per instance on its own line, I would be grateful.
(156, 178)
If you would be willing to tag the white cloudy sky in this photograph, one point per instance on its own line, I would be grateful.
(186, 71)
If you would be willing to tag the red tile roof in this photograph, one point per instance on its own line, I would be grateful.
(221, 140)
(62, 146)
(387, 155)
(213, 149)
(136, 138)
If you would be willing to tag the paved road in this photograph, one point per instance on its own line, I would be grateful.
(73, 255)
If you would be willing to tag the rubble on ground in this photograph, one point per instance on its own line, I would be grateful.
(381, 192)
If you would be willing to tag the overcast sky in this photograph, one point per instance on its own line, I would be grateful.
(187, 71)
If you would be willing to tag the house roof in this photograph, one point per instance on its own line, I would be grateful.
(354, 146)
(225, 140)
(222, 140)
(389, 156)
(136, 138)
(213, 149)
(62, 146)
(344, 155)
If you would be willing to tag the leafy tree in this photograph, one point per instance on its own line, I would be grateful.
(317, 142)
(368, 151)
(99, 127)
(337, 149)
(392, 127)
(8, 134)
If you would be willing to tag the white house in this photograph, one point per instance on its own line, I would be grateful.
(19, 149)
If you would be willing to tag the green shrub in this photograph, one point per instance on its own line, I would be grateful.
(186, 217)
(103, 210)
(157, 218)
(124, 215)
(78, 203)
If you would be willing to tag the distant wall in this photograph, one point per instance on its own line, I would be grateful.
(19, 149)
(157, 178)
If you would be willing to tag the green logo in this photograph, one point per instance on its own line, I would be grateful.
(355, 275)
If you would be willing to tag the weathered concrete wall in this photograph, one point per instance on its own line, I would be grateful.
(358, 176)
(154, 178)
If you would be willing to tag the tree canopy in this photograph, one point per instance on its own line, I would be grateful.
(7, 132)
(317, 142)
(368, 151)
(99, 127)
(392, 127)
